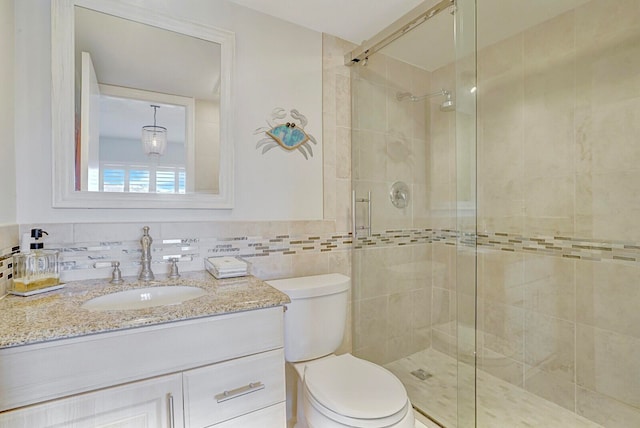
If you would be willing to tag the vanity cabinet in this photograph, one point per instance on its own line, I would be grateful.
(224, 371)
(149, 404)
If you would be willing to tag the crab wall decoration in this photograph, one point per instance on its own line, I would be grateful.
(290, 135)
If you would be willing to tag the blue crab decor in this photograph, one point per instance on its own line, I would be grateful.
(290, 135)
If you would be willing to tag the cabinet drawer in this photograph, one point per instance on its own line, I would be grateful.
(226, 390)
(271, 417)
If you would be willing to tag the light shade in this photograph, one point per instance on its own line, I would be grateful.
(154, 139)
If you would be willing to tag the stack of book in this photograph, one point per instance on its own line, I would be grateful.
(226, 267)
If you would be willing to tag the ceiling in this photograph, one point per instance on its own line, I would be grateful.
(352, 20)
(496, 20)
(160, 61)
(357, 21)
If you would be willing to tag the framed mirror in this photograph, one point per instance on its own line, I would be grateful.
(141, 109)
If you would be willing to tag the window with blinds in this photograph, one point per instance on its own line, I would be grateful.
(113, 180)
(139, 181)
(142, 179)
(165, 181)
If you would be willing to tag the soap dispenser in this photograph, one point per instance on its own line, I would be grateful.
(35, 270)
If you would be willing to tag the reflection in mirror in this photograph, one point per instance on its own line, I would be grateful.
(126, 165)
(119, 68)
(110, 156)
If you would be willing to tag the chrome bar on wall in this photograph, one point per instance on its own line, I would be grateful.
(354, 201)
(406, 23)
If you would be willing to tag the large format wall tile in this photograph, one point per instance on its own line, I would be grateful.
(607, 364)
(607, 297)
(550, 286)
(500, 277)
(550, 345)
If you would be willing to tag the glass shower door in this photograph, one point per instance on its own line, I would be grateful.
(558, 214)
(466, 211)
(413, 176)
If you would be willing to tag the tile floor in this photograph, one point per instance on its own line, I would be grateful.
(423, 422)
(500, 404)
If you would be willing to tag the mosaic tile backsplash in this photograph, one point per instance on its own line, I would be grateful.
(79, 260)
(6, 268)
(8, 247)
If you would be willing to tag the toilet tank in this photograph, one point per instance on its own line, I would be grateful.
(315, 319)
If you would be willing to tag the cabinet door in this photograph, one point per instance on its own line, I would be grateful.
(153, 403)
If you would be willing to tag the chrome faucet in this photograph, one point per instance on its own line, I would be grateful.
(145, 241)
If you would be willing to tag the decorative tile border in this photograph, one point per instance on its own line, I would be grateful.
(80, 260)
(401, 237)
(562, 246)
(558, 246)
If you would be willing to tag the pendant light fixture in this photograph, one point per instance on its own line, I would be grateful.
(154, 138)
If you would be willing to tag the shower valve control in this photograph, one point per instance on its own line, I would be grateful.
(399, 194)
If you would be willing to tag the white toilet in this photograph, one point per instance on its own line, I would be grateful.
(334, 391)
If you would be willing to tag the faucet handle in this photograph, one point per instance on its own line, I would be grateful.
(173, 270)
(116, 275)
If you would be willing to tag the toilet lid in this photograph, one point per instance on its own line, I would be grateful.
(355, 388)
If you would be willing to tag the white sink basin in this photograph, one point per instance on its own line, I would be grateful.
(140, 298)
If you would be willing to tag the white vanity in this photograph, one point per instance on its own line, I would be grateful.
(213, 361)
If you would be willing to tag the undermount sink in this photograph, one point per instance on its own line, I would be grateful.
(140, 298)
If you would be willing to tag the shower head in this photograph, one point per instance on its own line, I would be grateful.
(447, 104)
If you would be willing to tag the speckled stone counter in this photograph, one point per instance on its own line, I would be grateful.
(59, 314)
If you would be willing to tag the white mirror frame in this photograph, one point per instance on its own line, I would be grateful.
(63, 107)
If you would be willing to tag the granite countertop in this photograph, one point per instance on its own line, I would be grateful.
(58, 314)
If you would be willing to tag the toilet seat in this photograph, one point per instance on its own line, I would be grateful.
(318, 415)
(354, 392)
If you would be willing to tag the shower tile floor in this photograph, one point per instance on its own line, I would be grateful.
(500, 404)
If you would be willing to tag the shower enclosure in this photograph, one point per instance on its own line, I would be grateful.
(495, 170)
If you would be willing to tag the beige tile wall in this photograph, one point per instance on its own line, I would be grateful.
(336, 124)
(392, 296)
(336, 129)
(559, 115)
(558, 110)
(390, 142)
(393, 284)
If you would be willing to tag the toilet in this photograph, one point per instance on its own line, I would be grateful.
(333, 390)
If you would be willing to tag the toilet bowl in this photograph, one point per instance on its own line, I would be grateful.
(334, 391)
(345, 391)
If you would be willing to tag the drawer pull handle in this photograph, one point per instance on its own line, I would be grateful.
(238, 392)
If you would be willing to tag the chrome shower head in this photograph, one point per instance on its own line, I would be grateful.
(447, 104)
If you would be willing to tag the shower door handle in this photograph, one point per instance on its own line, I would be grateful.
(354, 201)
